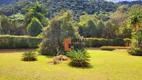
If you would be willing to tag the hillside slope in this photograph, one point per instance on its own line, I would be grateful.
(78, 7)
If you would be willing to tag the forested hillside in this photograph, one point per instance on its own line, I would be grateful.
(78, 7)
(131, 3)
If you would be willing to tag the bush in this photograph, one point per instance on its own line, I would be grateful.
(135, 51)
(14, 42)
(136, 47)
(29, 56)
(108, 48)
(79, 58)
(99, 42)
(35, 27)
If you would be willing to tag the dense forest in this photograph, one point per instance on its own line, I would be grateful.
(78, 7)
(92, 18)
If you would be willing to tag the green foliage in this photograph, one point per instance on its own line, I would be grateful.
(135, 17)
(5, 24)
(110, 30)
(13, 42)
(36, 10)
(35, 27)
(136, 48)
(98, 42)
(89, 29)
(78, 7)
(126, 33)
(60, 27)
(100, 27)
(93, 26)
(79, 58)
(17, 18)
(138, 37)
(120, 15)
(29, 56)
(13, 25)
(137, 51)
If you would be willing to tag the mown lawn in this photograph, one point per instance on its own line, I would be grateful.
(107, 65)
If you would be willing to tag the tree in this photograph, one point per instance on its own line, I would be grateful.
(126, 33)
(59, 28)
(110, 30)
(120, 15)
(135, 17)
(36, 10)
(100, 28)
(35, 27)
(92, 30)
(5, 24)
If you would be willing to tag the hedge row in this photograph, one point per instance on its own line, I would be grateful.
(12, 42)
(98, 42)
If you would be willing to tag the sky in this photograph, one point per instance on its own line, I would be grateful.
(119, 0)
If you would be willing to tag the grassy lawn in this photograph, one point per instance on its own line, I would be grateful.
(107, 65)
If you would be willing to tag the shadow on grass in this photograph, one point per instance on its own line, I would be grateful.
(85, 67)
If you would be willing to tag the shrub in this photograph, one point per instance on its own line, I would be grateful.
(135, 51)
(108, 48)
(35, 27)
(136, 48)
(29, 56)
(99, 42)
(79, 58)
(13, 42)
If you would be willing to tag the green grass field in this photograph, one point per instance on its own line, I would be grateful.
(106, 65)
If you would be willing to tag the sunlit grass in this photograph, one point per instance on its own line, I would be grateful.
(106, 65)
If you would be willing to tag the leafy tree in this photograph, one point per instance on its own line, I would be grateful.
(60, 27)
(36, 10)
(89, 29)
(92, 29)
(17, 18)
(35, 27)
(120, 15)
(127, 33)
(100, 28)
(5, 24)
(110, 30)
(135, 17)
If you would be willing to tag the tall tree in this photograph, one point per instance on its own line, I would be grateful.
(100, 28)
(60, 27)
(110, 30)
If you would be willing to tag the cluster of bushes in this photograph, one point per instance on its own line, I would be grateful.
(12, 42)
(99, 42)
